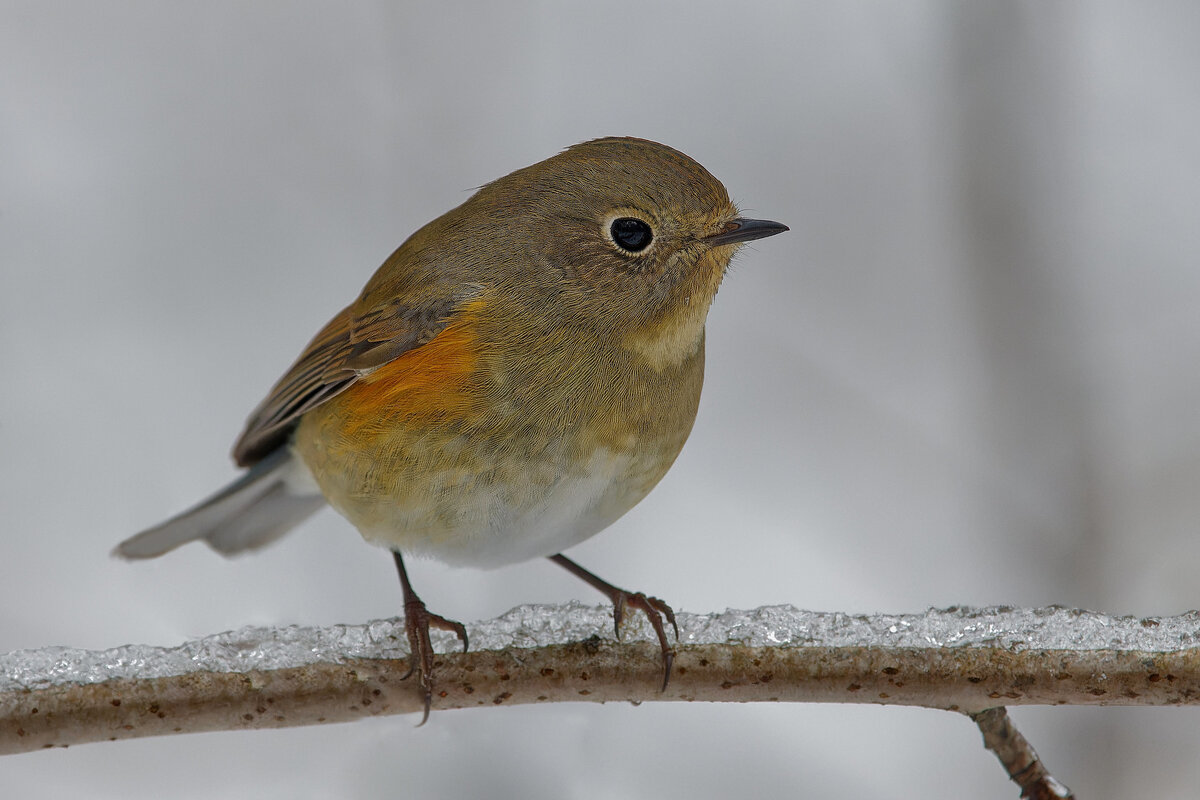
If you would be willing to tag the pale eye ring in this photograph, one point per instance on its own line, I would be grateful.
(631, 234)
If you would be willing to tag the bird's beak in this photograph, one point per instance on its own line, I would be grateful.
(745, 230)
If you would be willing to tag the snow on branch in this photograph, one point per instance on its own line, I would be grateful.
(959, 659)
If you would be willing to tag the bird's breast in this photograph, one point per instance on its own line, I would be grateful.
(454, 451)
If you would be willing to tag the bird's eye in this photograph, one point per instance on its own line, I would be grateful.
(631, 234)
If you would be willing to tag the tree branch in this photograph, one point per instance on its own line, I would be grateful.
(1017, 757)
(958, 659)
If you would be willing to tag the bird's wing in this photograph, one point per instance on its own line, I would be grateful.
(359, 340)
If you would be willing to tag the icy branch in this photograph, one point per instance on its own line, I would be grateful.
(964, 660)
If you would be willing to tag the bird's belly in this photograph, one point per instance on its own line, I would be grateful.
(499, 519)
(445, 498)
(495, 466)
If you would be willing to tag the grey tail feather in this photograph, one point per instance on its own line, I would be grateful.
(251, 512)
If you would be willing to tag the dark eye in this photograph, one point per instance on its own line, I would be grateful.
(631, 234)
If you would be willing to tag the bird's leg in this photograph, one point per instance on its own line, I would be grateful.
(653, 608)
(416, 624)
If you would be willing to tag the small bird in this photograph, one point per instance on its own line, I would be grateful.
(516, 376)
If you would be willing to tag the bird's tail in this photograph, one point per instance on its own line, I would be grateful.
(270, 499)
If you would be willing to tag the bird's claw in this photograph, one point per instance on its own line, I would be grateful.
(417, 621)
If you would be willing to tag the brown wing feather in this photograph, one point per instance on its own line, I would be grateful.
(316, 376)
(352, 344)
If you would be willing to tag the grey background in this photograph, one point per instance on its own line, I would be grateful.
(968, 375)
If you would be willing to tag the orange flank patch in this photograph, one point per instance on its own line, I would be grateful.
(430, 382)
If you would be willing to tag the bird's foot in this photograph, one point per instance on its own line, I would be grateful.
(417, 621)
(654, 609)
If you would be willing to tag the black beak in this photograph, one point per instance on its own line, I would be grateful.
(746, 230)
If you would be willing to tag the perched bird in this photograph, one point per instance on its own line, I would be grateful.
(516, 376)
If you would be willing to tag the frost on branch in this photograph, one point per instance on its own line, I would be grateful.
(958, 659)
(534, 626)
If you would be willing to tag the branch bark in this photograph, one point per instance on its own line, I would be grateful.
(959, 659)
(1017, 757)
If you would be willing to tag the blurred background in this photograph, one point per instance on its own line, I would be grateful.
(969, 375)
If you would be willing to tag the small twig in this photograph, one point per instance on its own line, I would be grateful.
(1017, 756)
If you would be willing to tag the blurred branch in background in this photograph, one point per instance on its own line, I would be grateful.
(958, 659)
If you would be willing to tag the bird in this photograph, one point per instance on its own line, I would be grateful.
(516, 376)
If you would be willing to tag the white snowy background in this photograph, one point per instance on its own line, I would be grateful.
(969, 375)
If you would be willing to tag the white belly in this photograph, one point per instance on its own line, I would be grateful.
(513, 517)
